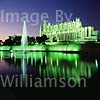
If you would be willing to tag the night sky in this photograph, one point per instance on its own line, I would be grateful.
(86, 10)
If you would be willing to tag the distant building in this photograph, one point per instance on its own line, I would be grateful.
(72, 31)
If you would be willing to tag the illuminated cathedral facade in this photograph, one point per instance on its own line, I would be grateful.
(72, 31)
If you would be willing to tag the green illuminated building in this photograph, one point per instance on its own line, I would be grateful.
(72, 31)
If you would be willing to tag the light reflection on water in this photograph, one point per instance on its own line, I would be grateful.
(48, 64)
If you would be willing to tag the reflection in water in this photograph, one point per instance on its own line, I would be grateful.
(96, 62)
(23, 65)
(68, 66)
(28, 58)
(51, 64)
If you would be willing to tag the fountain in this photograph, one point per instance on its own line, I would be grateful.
(24, 35)
(23, 44)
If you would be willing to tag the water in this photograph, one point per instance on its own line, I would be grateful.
(24, 35)
(50, 65)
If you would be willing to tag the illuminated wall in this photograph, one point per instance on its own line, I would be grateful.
(69, 31)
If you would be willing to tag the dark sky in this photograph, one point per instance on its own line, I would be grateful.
(86, 10)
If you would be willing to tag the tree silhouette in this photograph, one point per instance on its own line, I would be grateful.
(17, 40)
(42, 39)
(9, 41)
(1, 42)
(31, 40)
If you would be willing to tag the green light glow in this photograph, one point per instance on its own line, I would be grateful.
(63, 56)
(68, 47)
(96, 63)
(73, 47)
(4, 48)
(68, 71)
(76, 63)
(57, 47)
(71, 57)
(5, 54)
(57, 64)
(32, 55)
(29, 48)
(68, 65)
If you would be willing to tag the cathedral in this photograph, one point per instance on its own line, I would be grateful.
(72, 31)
